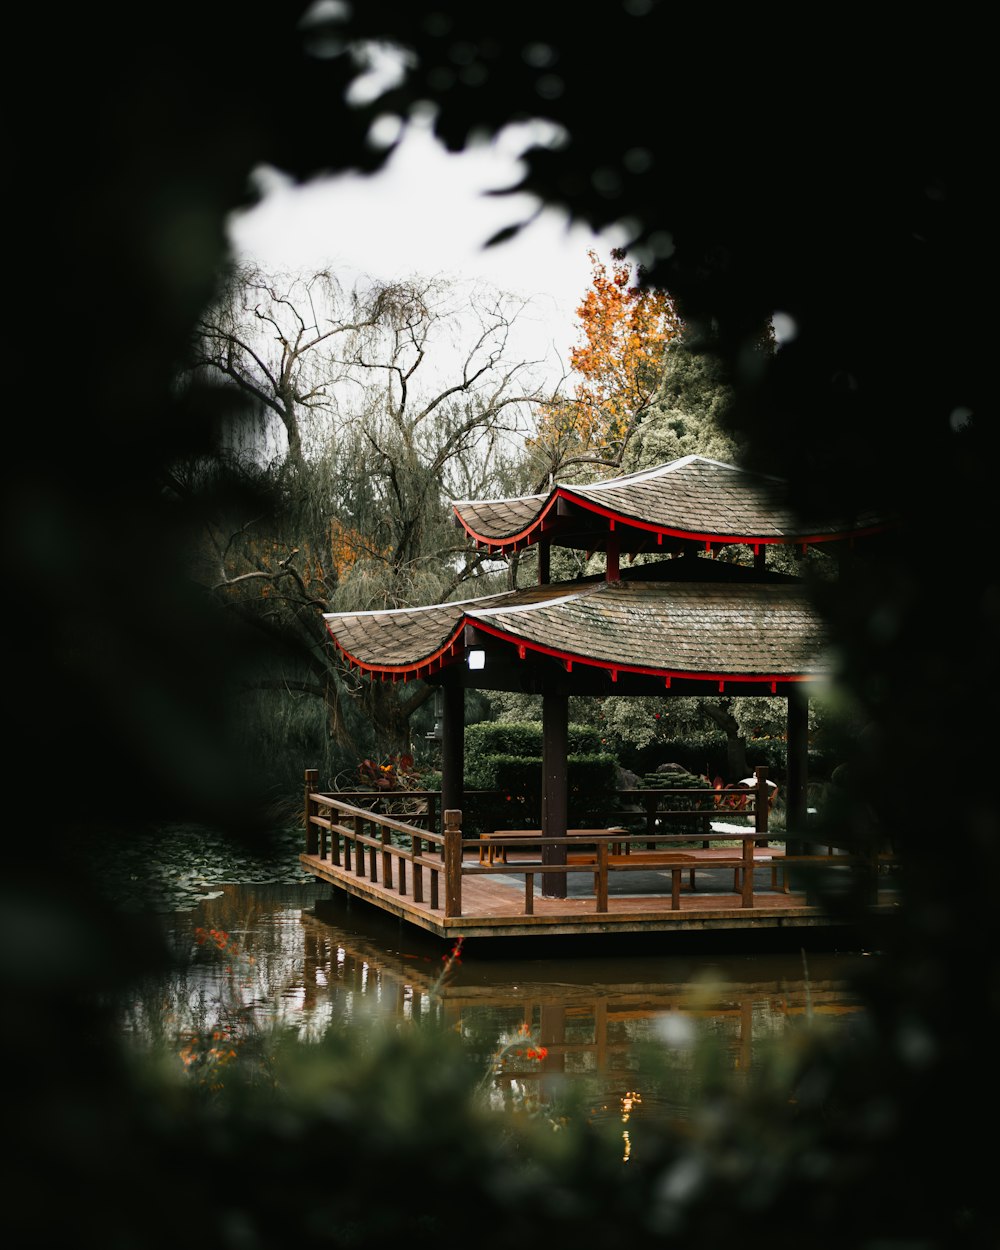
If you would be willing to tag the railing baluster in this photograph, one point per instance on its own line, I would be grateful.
(386, 858)
(359, 849)
(748, 845)
(416, 850)
(602, 876)
(335, 836)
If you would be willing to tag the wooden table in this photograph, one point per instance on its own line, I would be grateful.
(490, 853)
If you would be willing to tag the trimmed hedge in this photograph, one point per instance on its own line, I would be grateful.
(507, 757)
(525, 738)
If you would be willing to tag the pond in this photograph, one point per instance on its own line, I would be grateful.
(629, 1035)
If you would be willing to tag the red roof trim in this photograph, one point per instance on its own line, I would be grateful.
(430, 662)
(615, 667)
(522, 536)
(437, 661)
(622, 518)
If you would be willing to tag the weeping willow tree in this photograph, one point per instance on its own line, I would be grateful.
(362, 413)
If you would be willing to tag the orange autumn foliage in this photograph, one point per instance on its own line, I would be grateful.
(625, 329)
(346, 546)
(315, 567)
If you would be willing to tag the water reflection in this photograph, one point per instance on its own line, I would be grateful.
(627, 1036)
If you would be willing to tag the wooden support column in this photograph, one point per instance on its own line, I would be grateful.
(555, 745)
(796, 776)
(453, 746)
(543, 562)
(613, 570)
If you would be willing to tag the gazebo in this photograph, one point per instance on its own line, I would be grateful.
(681, 621)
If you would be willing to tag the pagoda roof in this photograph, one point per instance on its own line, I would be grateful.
(693, 499)
(691, 618)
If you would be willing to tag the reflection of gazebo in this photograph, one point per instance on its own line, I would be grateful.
(678, 625)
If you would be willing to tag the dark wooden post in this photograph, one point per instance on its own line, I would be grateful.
(555, 741)
(613, 565)
(452, 747)
(796, 779)
(543, 562)
(309, 810)
(798, 764)
(452, 862)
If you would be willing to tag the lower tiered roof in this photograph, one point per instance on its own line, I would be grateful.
(690, 618)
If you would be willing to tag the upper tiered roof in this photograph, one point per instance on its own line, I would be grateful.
(693, 499)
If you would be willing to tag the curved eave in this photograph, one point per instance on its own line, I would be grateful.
(570, 659)
(452, 652)
(533, 533)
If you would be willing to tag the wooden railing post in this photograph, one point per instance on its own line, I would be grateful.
(453, 862)
(416, 850)
(309, 810)
(336, 819)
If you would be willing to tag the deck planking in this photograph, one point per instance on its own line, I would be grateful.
(493, 905)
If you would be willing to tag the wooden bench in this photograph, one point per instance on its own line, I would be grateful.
(691, 859)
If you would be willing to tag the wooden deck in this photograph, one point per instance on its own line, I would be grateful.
(493, 903)
(504, 884)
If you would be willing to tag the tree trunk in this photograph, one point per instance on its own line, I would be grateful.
(389, 718)
(736, 748)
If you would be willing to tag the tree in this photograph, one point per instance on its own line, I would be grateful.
(691, 413)
(371, 409)
(620, 364)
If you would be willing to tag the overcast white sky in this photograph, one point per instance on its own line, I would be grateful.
(426, 213)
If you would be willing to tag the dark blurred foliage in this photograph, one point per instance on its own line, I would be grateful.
(832, 165)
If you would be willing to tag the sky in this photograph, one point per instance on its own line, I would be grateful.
(428, 213)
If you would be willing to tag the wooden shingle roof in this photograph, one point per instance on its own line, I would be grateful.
(720, 626)
(691, 499)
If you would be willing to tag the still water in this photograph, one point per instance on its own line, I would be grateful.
(627, 1033)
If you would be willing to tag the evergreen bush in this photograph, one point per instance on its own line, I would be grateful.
(506, 757)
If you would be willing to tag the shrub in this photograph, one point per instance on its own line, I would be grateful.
(507, 757)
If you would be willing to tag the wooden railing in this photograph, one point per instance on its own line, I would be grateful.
(349, 835)
(386, 851)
